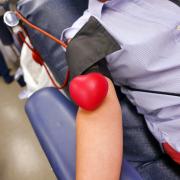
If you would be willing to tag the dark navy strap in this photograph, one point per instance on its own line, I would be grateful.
(152, 91)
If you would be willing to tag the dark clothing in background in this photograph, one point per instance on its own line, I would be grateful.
(4, 71)
(3, 67)
(5, 35)
(6, 39)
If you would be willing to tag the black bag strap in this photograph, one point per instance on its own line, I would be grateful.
(152, 91)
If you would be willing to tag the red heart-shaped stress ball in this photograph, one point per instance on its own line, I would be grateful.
(88, 91)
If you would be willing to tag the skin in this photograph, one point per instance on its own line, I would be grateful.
(99, 140)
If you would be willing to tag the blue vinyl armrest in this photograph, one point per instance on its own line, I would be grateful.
(52, 117)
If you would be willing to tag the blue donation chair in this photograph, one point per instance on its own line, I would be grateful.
(52, 117)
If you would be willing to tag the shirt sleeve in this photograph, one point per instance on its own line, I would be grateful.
(70, 32)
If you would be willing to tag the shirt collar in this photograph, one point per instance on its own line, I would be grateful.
(95, 7)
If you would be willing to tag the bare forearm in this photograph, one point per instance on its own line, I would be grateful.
(99, 141)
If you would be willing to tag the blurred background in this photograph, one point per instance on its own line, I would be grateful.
(21, 157)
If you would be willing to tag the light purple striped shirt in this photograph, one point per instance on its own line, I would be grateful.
(149, 34)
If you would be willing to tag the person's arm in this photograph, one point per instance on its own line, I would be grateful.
(99, 140)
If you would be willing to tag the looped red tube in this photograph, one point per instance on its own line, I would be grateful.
(88, 91)
(36, 56)
(38, 59)
(20, 16)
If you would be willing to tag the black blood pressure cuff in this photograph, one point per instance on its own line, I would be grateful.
(176, 2)
(86, 52)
